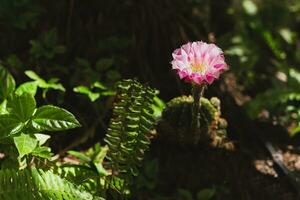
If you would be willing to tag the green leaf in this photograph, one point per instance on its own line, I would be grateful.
(28, 87)
(80, 156)
(55, 86)
(22, 106)
(33, 75)
(3, 108)
(25, 144)
(100, 169)
(85, 90)
(43, 152)
(42, 138)
(51, 84)
(206, 194)
(99, 157)
(7, 83)
(9, 125)
(158, 106)
(108, 93)
(99, 85)
(51, 118)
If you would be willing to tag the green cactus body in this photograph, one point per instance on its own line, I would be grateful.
(175, 125)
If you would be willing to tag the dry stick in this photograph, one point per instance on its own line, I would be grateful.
(197, 92)
(277, 158)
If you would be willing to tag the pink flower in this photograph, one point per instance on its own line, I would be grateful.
(199, 62)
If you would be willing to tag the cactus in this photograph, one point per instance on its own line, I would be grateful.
(175, 125)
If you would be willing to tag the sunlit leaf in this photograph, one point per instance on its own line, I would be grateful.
(42, 138)
(43, 152)
(40, 82)
(22, 106)
(51, 118)
(80, 156)
(99, 85)
(25, 144)
(3, 108)
(28, 87)
(9, 125)
(93, 96)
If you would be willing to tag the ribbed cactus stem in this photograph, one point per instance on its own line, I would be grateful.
(197, 92)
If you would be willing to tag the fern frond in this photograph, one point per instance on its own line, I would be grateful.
(35, 184)
(130, 126)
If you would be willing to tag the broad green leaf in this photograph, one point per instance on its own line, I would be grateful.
(28, 87)
(85, 90)
(206, 194)
(7, 83)
(22, 106)
(25, 144)
(51, 118)
(9, 125)
(43, 152)
(42, 138)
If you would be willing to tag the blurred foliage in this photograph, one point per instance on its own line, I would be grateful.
(264, 54)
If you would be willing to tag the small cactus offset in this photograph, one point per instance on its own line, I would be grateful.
(175, 125)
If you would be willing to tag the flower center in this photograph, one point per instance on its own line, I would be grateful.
(198, 67)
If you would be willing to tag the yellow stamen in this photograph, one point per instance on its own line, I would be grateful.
(198, 67)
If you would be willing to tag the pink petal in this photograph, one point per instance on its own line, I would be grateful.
(220, 66)
(209, 78)
(198, 79)
(182, 74)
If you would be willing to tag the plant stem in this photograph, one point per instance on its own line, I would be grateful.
(197, 92)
